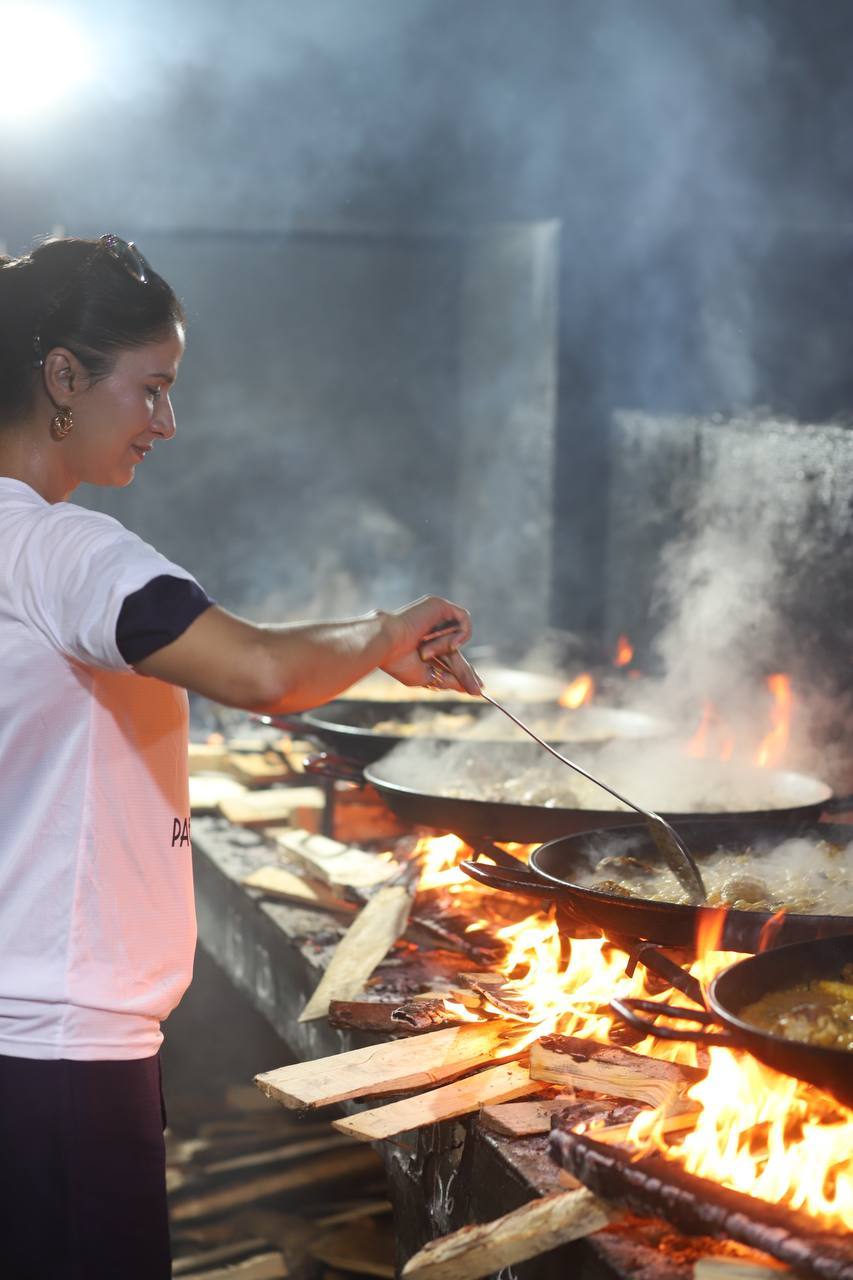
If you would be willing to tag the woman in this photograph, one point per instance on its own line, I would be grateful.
(100, 636)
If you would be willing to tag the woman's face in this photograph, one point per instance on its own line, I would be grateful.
(119, 419)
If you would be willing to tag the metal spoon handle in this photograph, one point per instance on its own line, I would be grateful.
(563, 759)
(668, 843)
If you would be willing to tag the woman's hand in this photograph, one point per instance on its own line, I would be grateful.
(426, 629)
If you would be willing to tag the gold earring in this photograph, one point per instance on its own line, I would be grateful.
(61, 422)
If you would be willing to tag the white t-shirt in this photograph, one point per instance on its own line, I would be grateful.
(97, 923)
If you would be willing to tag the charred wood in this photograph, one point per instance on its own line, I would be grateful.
(655, 1185)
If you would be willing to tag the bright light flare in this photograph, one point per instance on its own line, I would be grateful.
(43, 58)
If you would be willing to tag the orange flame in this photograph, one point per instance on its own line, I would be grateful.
(712, 737)
(773, 746)
(698, 744)
(759, 1132)
(579, 692)
(624, 652)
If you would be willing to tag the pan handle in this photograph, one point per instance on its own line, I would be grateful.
(521, 881)
(626, 1008)
(289, 724)
(334, 768)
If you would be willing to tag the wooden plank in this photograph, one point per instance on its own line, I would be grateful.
(739, 1269)
(264, 1266)
(605, 1068)
(682, 1115)
(523, 1119)
(270, 806)
(391, 1017)
(334, 863)
(363, 1209)
(495, 1084)
(209, 790)
(208, 757)
(286, 886)
(491, 1246)
(261, 769)
(234, 1251)
(307, 1174)
(417, 1062)
(275, 1155)
(493, 987)
(367, 941)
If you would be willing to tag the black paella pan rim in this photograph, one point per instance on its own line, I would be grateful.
(756, 976)
(348, 725)
(675, 924)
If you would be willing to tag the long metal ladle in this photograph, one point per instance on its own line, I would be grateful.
(677, 855)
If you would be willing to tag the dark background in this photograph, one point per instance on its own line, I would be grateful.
(697, 155)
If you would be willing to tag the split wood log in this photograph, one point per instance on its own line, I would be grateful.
(275, 1155)
(260, 768)
(307, 1174)
(493, 987)
(209, 790)
(334, 863)
(351, 1213)
(661, 1187)
(739, 1269)
(522, 1119)
(681, 1115)
(208, 757)
(286, 886)
(266, 808)
(606, 1068)
(417, 1062)
(490, 1246)
(367, 941)
(495, 1084)
(393, 1017)
(485, 952)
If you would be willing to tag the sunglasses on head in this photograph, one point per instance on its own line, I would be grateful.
(124, 252)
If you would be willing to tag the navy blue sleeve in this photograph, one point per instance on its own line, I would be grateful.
(157, 614)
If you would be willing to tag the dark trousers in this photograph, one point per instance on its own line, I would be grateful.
(82, 1171)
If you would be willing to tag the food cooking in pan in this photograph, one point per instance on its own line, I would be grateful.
(818, 1012)
(808, 877)
(557, 725)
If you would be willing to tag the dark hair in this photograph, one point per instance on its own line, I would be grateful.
(73, 293)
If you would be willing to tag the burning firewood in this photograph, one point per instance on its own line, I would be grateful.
(522, 1119)
(655, 1185)
(493, 987)
(490, 1246)
(604, 1068)
(367, 941)
(394, 1017)
(739, 1269)
(417, 1062)
(496, 1084)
